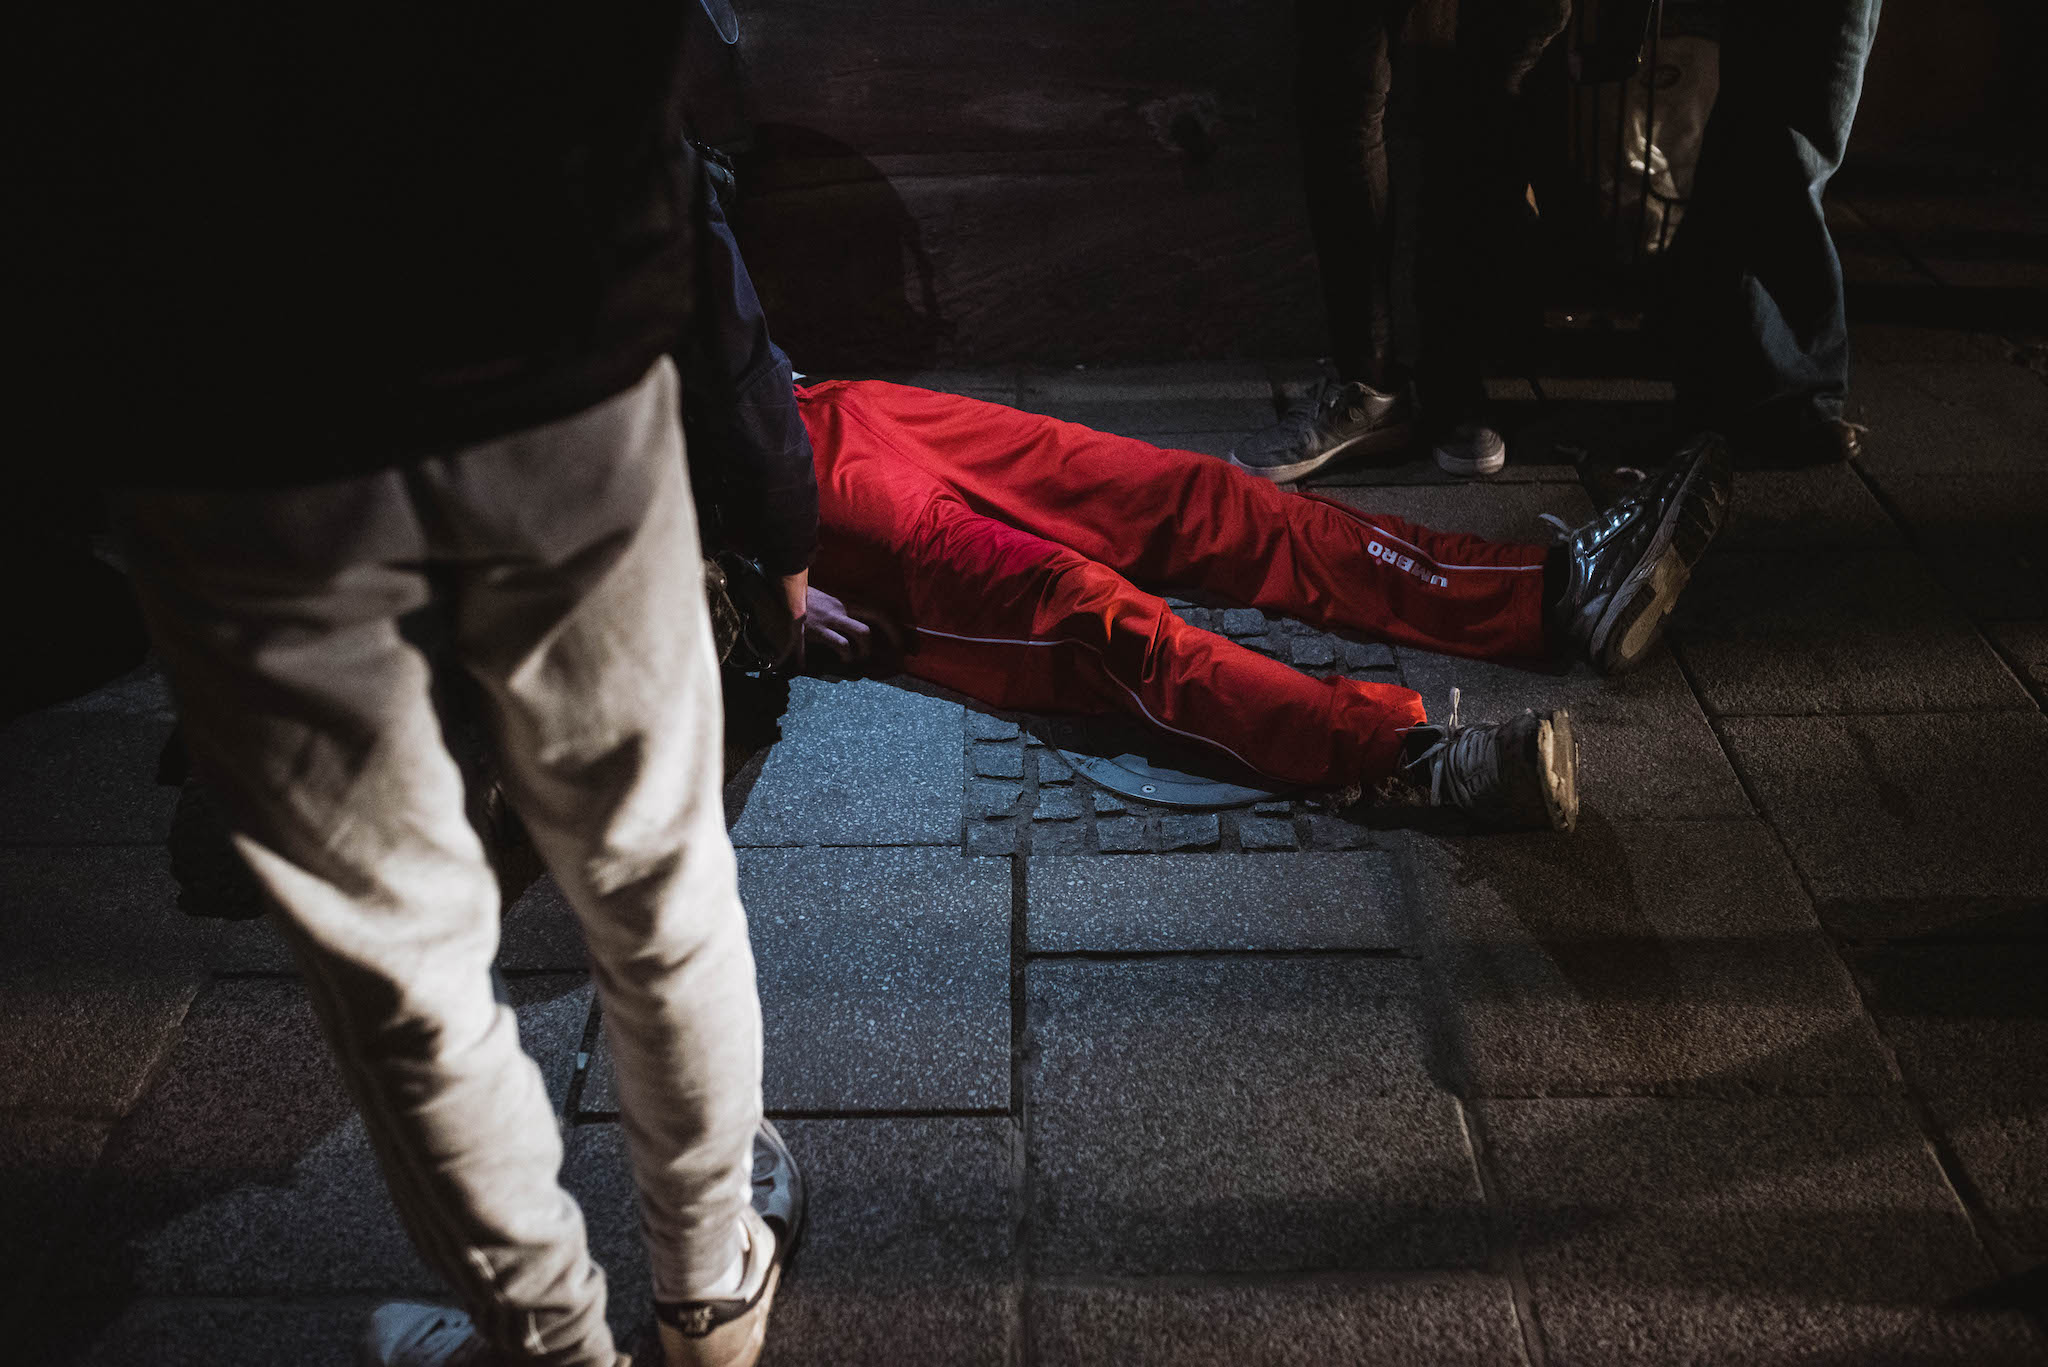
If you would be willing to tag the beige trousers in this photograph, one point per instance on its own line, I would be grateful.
(565, 559)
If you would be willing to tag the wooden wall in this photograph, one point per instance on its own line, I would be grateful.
(975, 182)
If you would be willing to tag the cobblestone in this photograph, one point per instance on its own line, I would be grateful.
(998, 761)
(1266, 833)
(1199, 831)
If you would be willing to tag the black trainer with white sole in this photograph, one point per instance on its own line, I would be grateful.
(1626, 567)
(1336, 420)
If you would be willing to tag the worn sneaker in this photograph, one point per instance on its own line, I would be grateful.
(1336, 419)
(1627, 566)
(1472, 450)
(1516, 775)
(404, 1334)
(730, 1332)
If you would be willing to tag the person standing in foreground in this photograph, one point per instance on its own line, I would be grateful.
(388, 306)
(1757, 317)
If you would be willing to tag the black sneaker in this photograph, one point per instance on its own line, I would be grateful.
(1336, 419)
(1515, 775)
(1626, 567)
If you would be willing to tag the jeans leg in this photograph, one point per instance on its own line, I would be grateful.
(278, 618)
(1760, 334)
(590, 634)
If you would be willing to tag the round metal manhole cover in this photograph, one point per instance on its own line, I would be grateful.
(1138, 763)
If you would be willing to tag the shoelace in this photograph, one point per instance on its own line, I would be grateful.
(1466, 763)
(1301, 417)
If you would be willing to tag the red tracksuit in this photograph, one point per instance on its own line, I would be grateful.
(1010, 542)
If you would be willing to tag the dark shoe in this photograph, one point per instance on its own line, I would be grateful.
(731, 1332)
(1338, 419)
(1516, 775)
(1472, 450)
(1627, 566)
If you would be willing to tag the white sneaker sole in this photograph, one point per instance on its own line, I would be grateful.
(1376, 442)
(1635, 619)
(1558, 751)
(1489, 462)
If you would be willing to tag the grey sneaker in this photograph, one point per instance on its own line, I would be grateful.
(1627, 566)
(405, 1334)
(1516, 775)
(731, 1332)
(1337, 419)
(1472, 450)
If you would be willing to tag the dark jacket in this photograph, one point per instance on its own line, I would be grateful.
(750, 457)
(274, 244)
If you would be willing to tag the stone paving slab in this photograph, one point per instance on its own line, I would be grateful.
(1988, 237)
(1162, 400)
(1218, 901)
(1769, 1231)
(1646, 751)
(71, 777)
(1985, 533)
(45, 1163)
(1605, 389)
(2025, 645)
(828, 781)
(1969, 1026)
(1845, 631)
(1598, 434)
(1507, 512)
(1937, 919)
(1218, 444)
(1419, 468)
(246, 1171)
(1988, 416)
(907, 1254)
(996, 386)
(97, 974)
(884, 979)
(540, 934)
(1411, 1322)
(1926, 808)
(1911, 343)
(1670, 958)
(1827, 507)
(1223, 396)
(1174, 381)
(141, 692)
(1167, 423)
(1227, 1114)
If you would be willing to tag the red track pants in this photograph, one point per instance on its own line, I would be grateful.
(1009, 543)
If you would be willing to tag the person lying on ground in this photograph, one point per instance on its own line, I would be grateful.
(1001, 554)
